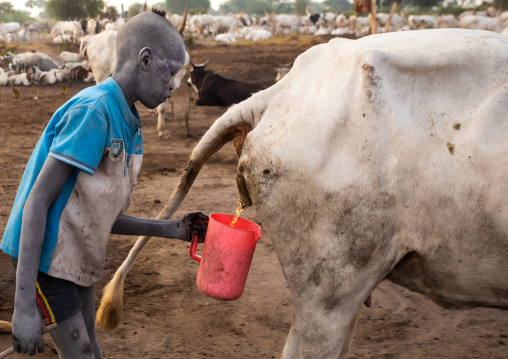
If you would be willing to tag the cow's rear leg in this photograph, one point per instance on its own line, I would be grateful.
(328, 291)
(320, 333)
(161, 122)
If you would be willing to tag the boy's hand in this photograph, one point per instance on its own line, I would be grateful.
(27, 331)
(193, 222)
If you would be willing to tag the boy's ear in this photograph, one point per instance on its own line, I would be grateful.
(145, 58)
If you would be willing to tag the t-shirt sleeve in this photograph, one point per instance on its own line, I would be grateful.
(80, 138)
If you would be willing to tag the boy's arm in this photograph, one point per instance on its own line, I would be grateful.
(26, 322)
(181, 228)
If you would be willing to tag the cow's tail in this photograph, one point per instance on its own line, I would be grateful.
(234, 124)
(5, 327)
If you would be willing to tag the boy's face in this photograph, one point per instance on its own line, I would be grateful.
(159, 80)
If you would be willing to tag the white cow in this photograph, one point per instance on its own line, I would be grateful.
(360, 25)
(28, 59)
(225, 37)
(12, 28)
(34, 74)
(60, 39)
(394, 169)
(67, 56)
(101, 52)
(476, 22)
(228, 24)
(116, 25)
(255, 33)
(419, 22)
(70, 28)
(447, 22)
(18, 79)
(286, 24)
(4, 77)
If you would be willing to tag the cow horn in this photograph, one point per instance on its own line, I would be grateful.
(284, 65)
(184, 20)
(199, 65)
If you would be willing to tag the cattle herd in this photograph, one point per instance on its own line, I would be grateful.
(38, 68)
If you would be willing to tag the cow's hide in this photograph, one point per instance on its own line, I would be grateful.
(384, 157)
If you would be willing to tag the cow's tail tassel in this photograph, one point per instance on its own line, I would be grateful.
(110, 310)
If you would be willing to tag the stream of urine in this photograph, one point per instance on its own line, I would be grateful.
(239, 207)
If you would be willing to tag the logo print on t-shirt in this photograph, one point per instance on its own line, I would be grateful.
(116, 148)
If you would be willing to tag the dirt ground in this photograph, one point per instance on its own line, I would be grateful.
(165, 315)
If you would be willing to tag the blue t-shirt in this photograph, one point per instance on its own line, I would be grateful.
(100, 135)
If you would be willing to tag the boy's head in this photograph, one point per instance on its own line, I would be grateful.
(150, 51)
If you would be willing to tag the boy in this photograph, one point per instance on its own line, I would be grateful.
(76, 187)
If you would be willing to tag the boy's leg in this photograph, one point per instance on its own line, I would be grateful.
(71, 339)
(87, 297)
(59, 302)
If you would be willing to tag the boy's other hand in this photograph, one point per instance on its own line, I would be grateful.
(27, 331)
(193, 223)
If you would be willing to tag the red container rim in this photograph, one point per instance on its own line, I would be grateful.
(242, 224)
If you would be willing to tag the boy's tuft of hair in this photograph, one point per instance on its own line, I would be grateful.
(159, 11)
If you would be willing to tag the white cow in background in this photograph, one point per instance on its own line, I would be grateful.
(35, 75)
(9, 31)
(115, 25)
(447, 22)
(255, 33)
(421, 22)
(4, 77)
(476, 22)
(67, 56)
(69, 28)
(395, 168)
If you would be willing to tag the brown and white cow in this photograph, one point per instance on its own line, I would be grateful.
(373, 159)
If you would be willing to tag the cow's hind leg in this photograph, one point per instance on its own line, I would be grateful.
(161, 121)
(328, 291)
(319, 332)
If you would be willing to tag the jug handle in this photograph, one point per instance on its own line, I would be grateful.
(194, 248)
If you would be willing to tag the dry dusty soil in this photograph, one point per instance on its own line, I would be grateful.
(165, 315)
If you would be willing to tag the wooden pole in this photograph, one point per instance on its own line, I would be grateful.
(392, 11)
(373, 21)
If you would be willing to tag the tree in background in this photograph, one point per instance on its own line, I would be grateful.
(36, 3)
(160, 5)
(110, 13)
(301, 6)
(73, 9)
(134, 9)
(8, 14)
(338, 6)
(195, 6)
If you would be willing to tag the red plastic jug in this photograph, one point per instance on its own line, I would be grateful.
(226, 256)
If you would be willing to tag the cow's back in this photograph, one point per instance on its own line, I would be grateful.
(101, 52)
(391, 143)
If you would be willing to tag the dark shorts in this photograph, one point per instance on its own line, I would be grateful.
(57, 299)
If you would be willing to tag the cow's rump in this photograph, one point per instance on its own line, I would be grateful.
(389, 149)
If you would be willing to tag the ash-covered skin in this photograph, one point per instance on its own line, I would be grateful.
(195, 224)
(150, 51)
